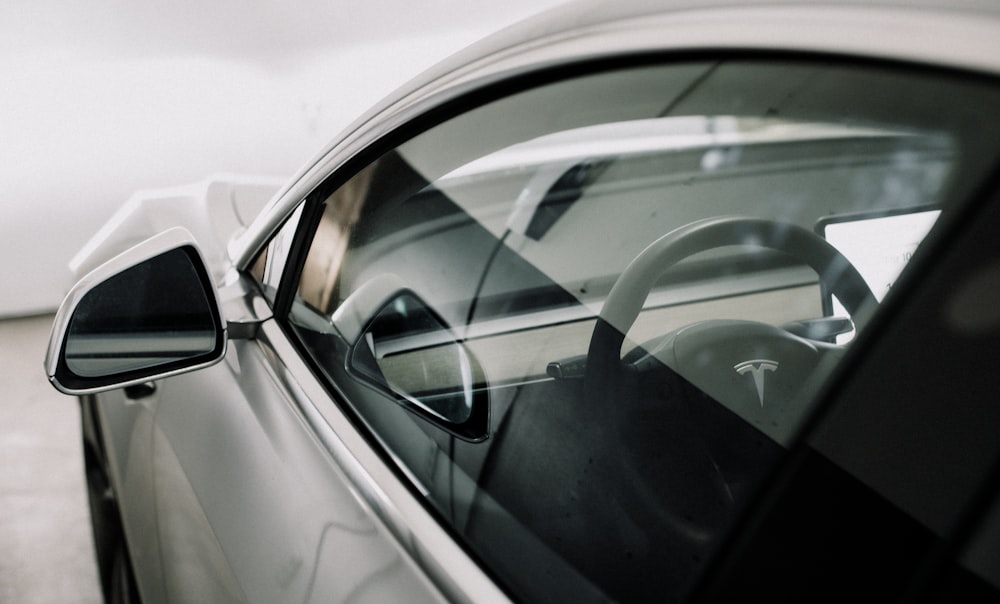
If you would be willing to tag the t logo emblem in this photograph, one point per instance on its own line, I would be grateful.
(756, 368)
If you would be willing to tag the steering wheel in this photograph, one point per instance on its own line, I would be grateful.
(753, 368)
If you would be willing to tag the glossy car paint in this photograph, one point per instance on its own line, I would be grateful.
(271, 487)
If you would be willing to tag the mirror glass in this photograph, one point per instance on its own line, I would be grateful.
(410, 352)
(152, 314)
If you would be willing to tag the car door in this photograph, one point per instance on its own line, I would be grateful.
(247, 504)
(586, 319)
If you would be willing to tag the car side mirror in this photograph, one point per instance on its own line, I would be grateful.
(146, 314)
(409, 353)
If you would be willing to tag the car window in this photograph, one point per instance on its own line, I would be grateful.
(587, 318)
(267, 267)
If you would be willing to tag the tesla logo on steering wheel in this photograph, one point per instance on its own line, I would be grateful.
(757, 368)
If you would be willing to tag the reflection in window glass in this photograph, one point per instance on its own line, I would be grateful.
(648, 357)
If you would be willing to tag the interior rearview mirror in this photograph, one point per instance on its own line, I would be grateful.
(149, 313)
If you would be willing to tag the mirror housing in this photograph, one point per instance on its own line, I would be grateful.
(148, 313)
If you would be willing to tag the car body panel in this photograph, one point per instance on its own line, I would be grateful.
(271, 518)
(305, 522)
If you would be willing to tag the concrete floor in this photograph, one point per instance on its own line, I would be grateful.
(46, 552)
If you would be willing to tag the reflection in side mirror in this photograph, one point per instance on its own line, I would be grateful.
(410, 353)
(152, 314)
(146, 316)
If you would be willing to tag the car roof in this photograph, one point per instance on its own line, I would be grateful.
(893, 31)
(965, 35)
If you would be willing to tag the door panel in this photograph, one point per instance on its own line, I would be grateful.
(250, 505)
(127, 427)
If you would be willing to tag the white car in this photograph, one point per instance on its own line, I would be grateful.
(696, 301)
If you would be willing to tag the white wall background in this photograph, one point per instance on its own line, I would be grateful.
(101, 98)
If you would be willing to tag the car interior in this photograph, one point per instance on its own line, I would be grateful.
(586, 319)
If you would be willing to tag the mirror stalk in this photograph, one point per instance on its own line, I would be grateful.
(243, 308)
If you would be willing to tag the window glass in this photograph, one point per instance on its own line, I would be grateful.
(589, 317)
(269, 264)
(257, 269)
